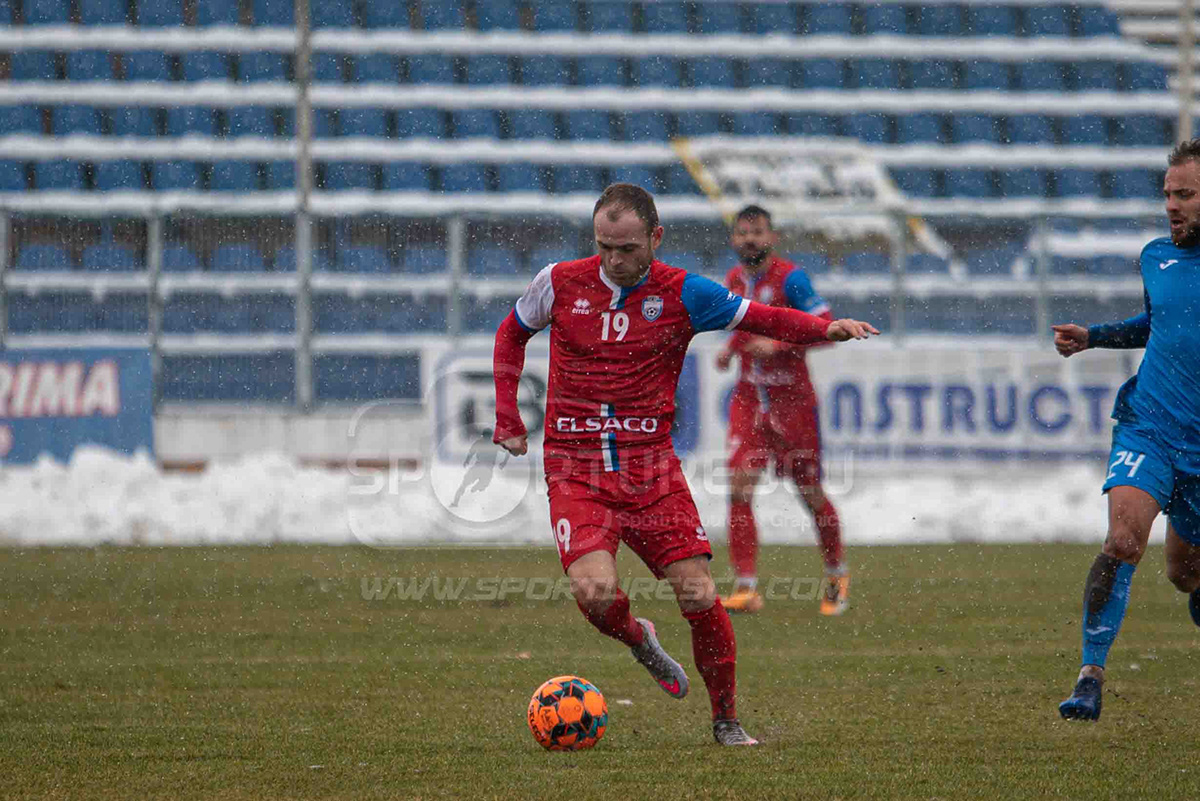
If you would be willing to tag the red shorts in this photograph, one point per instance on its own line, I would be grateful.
(646, 504)
(787, 431)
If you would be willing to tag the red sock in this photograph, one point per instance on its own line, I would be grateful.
(615, 621)
(829, 532)
(743, 539)
(715, 652)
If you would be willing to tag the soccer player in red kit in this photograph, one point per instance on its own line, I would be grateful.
(620, 323)
(773, 414)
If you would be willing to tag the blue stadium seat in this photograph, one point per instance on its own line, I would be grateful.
(281, 175)
(122, 312)
(1084, 129)
(811, 262)
(995, 261)
(364, 122)
(1023, 182)
(331, 13)
(1097, 20)
(89, 65)
(920, 127)
(1047, 20)
(285, 260)
(427, 123)
(146, 65)
(697, 123)
(822, 73)
(47, 12)
(971, 182)
(524, 123)
(867, 263)
(183, 120)
(349, 175)
(1112, 264)
(985, 19)
(828, 19)
(520, 178)
(777, 18)
(257, 67)
(111, 176)
(1041, 76)
(939, 20)
(133, 121)
(464, 178)
(498, 15)
(711, 71)
(755, 123)
(688, 260)
(190, 312)
(241, 257)
(807, 123)
(1136, 183)
(1096, 76)
(926, 264)
(553, 15)
(665, 17)
(174, 176)
(423, 259)
(205, 66)
(233, 176)
(180, 259)
(217, 12)
(243, 120)
(32, 65)
(600, 71)
(492, 260)
(1030, 129)
(587, 124)
(45, 257)
(931, 74)
(1142, 130)
(543, 255)
(276, 13)
(101, 12)
(764, 72)
(20, 119)
(916, 181)
(719, 17)
(376, 68)
(611, 16)
(363, 259)
(545, 71)
(577, 178)
(110, 256)
(1077, 183)
(629, 174)
(884, 18)
(431, 68)
(488, 70)
(337, 313)
(679, 181)
(656, 71)
(160, 13)
(646, 126)
(1144, 76)
(257, 377)
(875, 73)
(65, 120)
(484, 314)
(8, 12)
(328, 68)
(973, 128)
(388, 15)
(475, 122)
(63, 176)
(405, 176)
(12, 176)
(866, 126)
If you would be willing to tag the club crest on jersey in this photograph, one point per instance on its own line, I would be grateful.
(652, 308)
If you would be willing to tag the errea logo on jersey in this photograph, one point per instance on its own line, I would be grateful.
(582, 306)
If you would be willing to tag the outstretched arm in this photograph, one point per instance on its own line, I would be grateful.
(508, 360)
(1132, 333)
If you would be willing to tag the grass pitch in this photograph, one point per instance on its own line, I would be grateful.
(265, 673)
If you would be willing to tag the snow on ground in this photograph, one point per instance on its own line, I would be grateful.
(103, 497)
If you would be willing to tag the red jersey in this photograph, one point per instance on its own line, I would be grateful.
(780, 284)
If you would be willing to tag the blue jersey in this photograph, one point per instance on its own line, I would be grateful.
(1165, 393)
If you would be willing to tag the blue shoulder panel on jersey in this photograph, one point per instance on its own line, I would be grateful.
(800, 292)
(710, 306)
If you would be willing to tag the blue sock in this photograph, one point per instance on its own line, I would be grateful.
(1100, 628)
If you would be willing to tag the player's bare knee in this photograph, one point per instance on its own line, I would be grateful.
(1125, 544)
(695, 594)
(1185, 578)
(592, 593)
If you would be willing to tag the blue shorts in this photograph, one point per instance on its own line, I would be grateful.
(1139, 458)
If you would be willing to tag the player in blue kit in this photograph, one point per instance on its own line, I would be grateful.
(1155, 461)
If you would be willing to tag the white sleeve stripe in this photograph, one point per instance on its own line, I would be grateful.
(738, 315)
(820, 309)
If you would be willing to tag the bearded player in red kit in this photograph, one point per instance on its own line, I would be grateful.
(773, 414)
(620, 323)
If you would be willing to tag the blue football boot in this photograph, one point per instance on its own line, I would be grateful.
(1084, 703)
